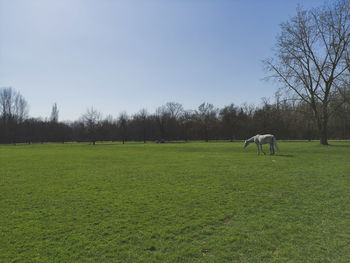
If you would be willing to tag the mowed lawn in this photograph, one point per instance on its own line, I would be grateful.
(175, 202)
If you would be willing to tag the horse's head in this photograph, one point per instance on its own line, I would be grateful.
(246, 143)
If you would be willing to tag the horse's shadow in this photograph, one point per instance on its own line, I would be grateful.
(285, 155)
(339, 146)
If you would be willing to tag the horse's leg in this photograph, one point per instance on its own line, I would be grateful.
(262, 149)
(272, 150)
(257, 145)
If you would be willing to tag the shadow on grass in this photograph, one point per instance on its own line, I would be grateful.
(285, 155)
(338, 146)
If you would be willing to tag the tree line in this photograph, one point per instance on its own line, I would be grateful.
(285, 118)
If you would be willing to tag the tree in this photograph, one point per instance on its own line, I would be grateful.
(141, 123)
(229, 121)
(108, 130)
(344, 88)
(174, 109)
(310, 58)
(13, 106)
(173, 112)
(207, 115)
(161, 117)
(92, 121)
(186, 120)
(123, 125)
(54, 113)
(13, 111)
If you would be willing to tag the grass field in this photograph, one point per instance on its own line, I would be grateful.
(176, 202)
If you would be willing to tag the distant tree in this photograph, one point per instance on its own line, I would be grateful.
(123, 120)
(141, 118)
(108, 130)
(162, 117)
(173, 112)
(13, 111)
(174, 109)
(228, 116)
(13, 106)
(207, 115)
(54, 113)
(246, 126)
(79, 131)
(186, 121)
(53, 127)
(310, 59)
(92, 121)
(64, 132)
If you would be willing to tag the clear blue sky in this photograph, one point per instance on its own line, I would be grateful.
(127, 55)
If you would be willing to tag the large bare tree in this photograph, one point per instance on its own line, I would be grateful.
(310, 59)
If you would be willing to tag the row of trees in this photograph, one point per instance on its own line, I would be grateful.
(287, 119)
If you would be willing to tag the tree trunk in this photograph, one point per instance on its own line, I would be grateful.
(323, 138)
(324, 133)
(322, 123)
(206, 134)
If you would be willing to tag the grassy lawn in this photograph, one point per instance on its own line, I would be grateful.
(180, 202)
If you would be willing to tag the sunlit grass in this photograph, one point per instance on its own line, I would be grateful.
(181, 202)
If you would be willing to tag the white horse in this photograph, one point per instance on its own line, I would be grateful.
(263, 139)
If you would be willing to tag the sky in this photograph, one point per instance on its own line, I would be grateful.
(125, 55)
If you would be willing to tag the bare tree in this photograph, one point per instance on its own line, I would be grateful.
(92, 121)
(229, 121)
(162, 116)
(186, 120)
(142, 117)
(310, 58)
(207, 115)
(54, 113)
(123, 120)
(13, 106)
(13, 112)
(174, 109)
(344, 87)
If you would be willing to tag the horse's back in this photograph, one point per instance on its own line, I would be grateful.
(266, 138)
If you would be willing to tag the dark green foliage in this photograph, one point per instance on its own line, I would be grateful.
(189, 202)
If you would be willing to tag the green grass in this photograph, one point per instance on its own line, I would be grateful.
(181, 202)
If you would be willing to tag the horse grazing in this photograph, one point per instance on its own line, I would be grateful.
(263, 139)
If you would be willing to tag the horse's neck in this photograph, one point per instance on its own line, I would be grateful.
(251, 139)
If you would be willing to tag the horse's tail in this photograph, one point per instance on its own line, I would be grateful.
(275, 143)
